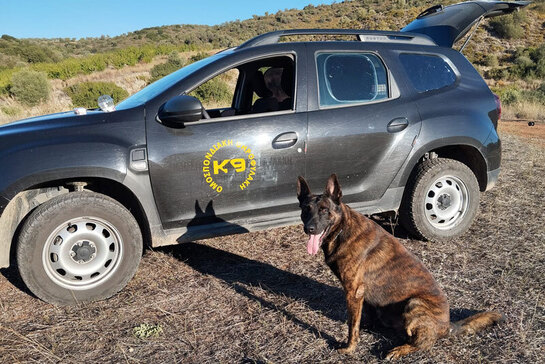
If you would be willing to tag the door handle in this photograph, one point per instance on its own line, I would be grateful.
(284, 140)
(397, 125)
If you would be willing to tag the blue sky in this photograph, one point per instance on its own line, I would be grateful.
(93, 18)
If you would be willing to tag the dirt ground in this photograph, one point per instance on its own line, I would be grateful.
(259, 298)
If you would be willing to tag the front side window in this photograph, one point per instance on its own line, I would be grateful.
(427, 72)
(350, 78)
(218, 92)
(259, 86)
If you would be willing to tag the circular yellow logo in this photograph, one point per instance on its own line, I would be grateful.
(228, 163)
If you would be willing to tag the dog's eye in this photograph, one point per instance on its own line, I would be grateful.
(324, 210)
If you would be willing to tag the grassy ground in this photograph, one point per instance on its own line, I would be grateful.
(259, 298)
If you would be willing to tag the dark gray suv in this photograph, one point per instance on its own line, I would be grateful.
(405, 122)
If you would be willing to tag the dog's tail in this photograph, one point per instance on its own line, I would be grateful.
(476, 323)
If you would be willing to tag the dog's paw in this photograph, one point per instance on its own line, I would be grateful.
(399, 352)
(347, 349)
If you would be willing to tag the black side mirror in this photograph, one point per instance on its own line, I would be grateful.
(179, 110)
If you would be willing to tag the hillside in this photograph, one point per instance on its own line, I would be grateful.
(367, 14)
(493, 48)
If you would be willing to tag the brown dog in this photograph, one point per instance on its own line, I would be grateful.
(375, 268)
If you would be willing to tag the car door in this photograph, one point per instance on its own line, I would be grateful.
(360, 125)
(230, 170)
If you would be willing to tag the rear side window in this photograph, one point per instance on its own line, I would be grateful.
(350, 78)
(427, 72)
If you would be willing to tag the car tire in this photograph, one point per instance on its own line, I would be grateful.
(81, 246)
(441, 200)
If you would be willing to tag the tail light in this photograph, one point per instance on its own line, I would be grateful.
(498, 106)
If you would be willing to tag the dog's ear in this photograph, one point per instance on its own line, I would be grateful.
(333, 189)
(303, 190)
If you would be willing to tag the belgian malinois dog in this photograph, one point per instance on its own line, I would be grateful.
(379, 275)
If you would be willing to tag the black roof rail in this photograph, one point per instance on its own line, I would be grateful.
(362, 35)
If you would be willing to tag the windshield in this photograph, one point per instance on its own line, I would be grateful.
(149, 92)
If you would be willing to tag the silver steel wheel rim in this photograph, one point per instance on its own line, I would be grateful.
(82, 253)
(446, 202)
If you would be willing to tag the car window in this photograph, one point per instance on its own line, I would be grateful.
(259, 86)
(349, 78)
(427, 72)
(218, 92)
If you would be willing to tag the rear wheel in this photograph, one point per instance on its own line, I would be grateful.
(441, 200)
(81, 246)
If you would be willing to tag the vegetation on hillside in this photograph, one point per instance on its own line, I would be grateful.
(86, 94)
(30, 87)
(505, 49)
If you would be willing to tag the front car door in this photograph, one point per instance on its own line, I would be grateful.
(224, 174)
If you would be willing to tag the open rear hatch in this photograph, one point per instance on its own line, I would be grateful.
(447, 24)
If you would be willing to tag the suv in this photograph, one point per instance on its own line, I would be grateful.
(405, 122)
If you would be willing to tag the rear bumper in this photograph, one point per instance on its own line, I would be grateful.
(492, 178)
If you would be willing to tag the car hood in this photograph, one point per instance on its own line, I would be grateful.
(446, 25)
(49, 121)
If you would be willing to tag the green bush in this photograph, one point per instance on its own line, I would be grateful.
(29, 87)
(491, 60)
(10, 110)
(173, 63)
(509, 26)
(86, 94)
(198, 57)
(214, 90)
(71, 67)
(5, 79)
(509, 95)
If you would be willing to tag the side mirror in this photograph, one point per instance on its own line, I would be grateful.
(179, 110)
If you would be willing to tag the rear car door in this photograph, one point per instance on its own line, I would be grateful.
(361, 126)
(237, 166)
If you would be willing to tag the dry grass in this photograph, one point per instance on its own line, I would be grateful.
(259, 298)
(524, 110)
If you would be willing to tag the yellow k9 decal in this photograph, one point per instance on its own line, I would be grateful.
(238, 164)
(214, 169)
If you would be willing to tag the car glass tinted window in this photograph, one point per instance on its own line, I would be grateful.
(218, 92)
(259, 86)
(427, 72)
(166, 82)
(349, 78)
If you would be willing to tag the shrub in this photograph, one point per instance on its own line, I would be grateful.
(509, 26)
(86, 94)
(491, 60)
(10, 110)
(509, 96)
(214, 90)
(198, 57)
(5, 80)
(173, 63)
(498, 73)
(29, 87)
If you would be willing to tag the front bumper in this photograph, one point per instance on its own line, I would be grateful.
(492, 177)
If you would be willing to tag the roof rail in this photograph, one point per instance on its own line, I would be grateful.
(362, 35)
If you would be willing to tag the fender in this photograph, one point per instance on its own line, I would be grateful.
(45, 152)
(420, 150)
(14, 213)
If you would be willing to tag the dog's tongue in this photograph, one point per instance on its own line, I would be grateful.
(313, 244)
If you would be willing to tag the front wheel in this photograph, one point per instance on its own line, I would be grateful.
(82, 246)
(441, 200)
